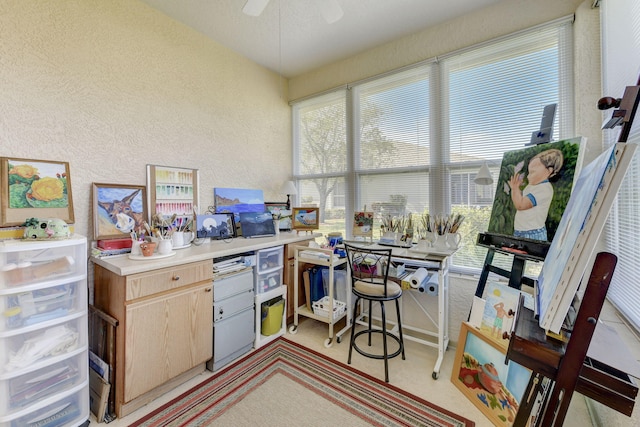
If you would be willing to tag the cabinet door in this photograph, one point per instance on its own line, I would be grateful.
(166, 336)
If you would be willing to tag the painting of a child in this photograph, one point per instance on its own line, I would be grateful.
(532, 203)
(533, 189)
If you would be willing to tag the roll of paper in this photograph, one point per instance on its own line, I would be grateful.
(431, 285)
(419, 278)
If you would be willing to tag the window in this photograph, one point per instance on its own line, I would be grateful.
(621, 62)
(410, 142)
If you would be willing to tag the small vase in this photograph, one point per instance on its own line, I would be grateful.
(147, 248)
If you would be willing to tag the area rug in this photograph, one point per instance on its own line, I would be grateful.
(286, 384)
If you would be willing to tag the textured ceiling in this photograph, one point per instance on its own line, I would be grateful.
(291, 37)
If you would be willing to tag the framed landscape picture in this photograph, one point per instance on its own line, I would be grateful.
(34, 189)
(305, 218)
(280, 211)
(480, 373)
(118, 210)
(216, 226)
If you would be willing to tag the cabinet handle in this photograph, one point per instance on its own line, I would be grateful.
(208, 290)
(175, 278)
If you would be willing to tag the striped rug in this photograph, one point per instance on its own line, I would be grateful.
(285, 384)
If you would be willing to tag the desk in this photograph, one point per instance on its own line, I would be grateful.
(431, 261)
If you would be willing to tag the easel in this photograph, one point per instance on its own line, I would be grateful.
(522, 250)
(566, 368)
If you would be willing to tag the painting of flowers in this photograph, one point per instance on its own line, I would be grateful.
(363, 224)
(35, 188)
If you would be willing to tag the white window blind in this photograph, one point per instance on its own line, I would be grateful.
(493, 97)
(412, 141)
(620, 26)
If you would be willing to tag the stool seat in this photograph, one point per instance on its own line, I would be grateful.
(369, 282)
(372, 290)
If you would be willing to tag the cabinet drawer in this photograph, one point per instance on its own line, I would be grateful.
(145, 284)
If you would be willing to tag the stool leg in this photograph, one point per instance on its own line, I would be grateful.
(353, 329)
(369, 316)
(384, 343)
(400, 326)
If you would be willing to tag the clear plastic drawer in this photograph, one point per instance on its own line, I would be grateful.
(30, 307)
(269, 259)
(48, 344)
(25, 263)
(267, 281)
(28, 389)
(72, 408)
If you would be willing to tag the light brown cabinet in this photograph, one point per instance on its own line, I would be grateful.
(164, 333)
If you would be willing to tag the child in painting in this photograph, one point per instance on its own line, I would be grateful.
(532, 203)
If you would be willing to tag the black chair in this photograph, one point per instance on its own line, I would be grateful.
(370, 282)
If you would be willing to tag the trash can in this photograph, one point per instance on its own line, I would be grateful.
(272, 312)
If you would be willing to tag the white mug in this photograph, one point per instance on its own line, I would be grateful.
(177, 238)
(164, 246)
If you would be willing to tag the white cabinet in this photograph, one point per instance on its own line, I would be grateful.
(43, 332)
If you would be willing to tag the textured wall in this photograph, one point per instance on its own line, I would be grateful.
(111, 86)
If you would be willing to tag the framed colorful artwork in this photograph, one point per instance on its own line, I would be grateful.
(216, 226)
(279, 211)
(118, 210)
(501, 301)
(363, 224)
(172, 191)
(541, 179)
(480, 373)
(34, 189)
(238, 200)
(305, 218)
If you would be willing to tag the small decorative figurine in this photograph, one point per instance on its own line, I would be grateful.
(47, 228)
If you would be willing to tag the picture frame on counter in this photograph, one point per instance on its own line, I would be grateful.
(281, 214)
(305, 218)
(118, 210)
(172, 190)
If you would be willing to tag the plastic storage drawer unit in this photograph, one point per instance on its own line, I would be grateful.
(269, 259)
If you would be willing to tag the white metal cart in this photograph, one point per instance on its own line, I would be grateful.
(323, 257)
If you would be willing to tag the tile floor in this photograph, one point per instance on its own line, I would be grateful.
(412, 374)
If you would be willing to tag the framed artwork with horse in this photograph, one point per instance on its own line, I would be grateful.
(118, 210)
(34, 188)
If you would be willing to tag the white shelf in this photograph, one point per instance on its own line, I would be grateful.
(280, 291)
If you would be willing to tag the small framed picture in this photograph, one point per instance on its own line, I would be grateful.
(172, 190)
(218, 226)
(34, 189)
(118, 210)
(363, 224)
(305, 218)
(481, 374)
(280, 213)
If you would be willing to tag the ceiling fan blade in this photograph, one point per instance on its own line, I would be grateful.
(254, 7)
(331, 11)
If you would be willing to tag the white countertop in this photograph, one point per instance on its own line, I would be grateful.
(123, 265)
